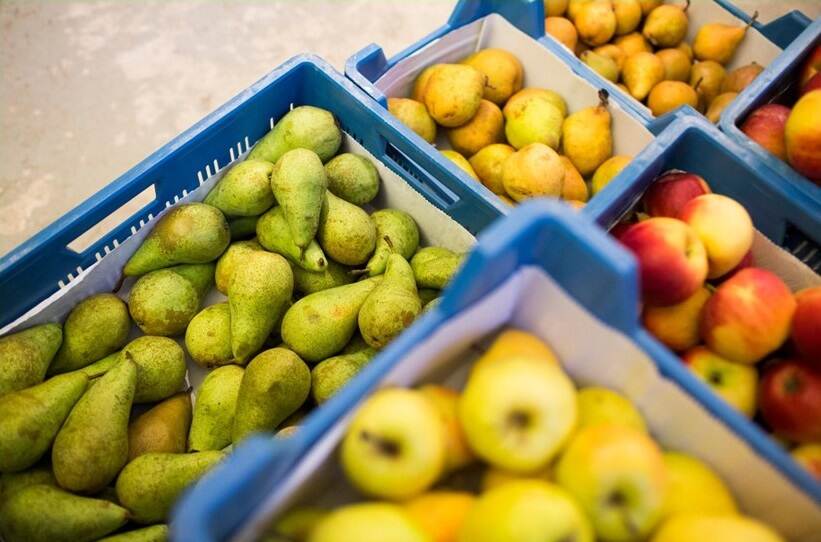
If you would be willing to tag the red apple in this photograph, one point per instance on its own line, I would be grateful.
(811, 66)
(668, 193)
(733, 382)
(619, 229)
(790, 400)
(802, 135)
(765, 126)
(806, 324)
(813, 84)
(676, 326)
(748, 316)
(672, 260)
(746, 261)
(809, 457)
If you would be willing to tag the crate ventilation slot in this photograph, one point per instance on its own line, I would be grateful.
(803, 248)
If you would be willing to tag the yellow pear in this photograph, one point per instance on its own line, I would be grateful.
(562, 30)
(587, 136)
(485, 128)
(607, 172)
(534, 119)
(642, 71)
(506, 200)
(421, 83)
(718, 41)
(503, 73)
(596, 23)
(574, 186)
(649, 5)
(633, 43)
(694, 488)
(687, 49)
(555, 8)
(669, 95)
(739, 78)
(575, 6)
(461, 162)
(676, 64)
(521, 98)
(453, 94)
(666, 25)
(415, 116)
(613, 52)
(715, 528)
(707, 77)
(603, 65)
(487, 163)
(718, 105)
(628, 15)
(533, 171)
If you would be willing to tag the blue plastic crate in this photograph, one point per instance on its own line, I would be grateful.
(45, 263)
(541, 237)
(775, 84)
(693, 144)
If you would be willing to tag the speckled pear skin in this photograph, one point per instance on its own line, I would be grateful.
(353, 178)
(232, 257)
(92, 445)
(243, 227)
(95, 327)
(396, 231)
(154, 533)
(11, 483)
(163, 428)
(200, 275)
(245, 190)
(42, 513)
(149, 485)
(26, 355)
(392, 306)
(320, 324)
(308, 282)
(101, 366)
(305, 127)
(257, 296)
(433, 267)
(331, 375)
(30, 419)
(160, 363)
(208, 336)
(162, 302)
(214, 410)
(299, 183)
(275, 384)
(346, 232)
(189, 233)
(274, 234)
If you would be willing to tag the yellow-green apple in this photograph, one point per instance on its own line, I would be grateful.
(512, 343)
(526, 510)
(495, 477)
(809, 456)
(672, 259)
(736, 383)
(803, 136)
(368, 522)
(790, 400)
(748, 316)
(395, 445)
(676, 326)
(724, 227)
(618, 476)
(766, 125)
(811, 66)
(446, 401)
(806, 324)
(441, 514)
(695, 528)
(668, 194)
(694, 488)
(518, 414)
(603, 406)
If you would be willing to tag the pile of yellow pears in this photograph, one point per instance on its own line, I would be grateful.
(640, 45)
(519, 142)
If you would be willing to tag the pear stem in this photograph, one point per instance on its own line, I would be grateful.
(604, 96)
(700, 79)
(389, 242)
(752, 20)
(686, 6)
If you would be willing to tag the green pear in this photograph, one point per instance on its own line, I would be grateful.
(214, 410)
(243, 227)
(392, 306)
(149, 485)
(101, 366)
(12, 482)
(162, 303)
(587, 135)
(26, 355)
(603, 65)
(274, 234)
(304, 127)
(308, 282)
(356, 344)
(48, 514)
(30, 418)
(426, 295)
(208, 336)
(200, 275)
(163, 428)
(432, 304)
(160, 365)
(95, 327)
(245, 190)
(396, 232)
(329, 376)
(433, 267)
(189, 233)
(154, 533)
(353, 178)
(92, 446)
(299, 183)
(319, 325)
(257, 296)
(275, 384)
(233, 256)
(346, 232)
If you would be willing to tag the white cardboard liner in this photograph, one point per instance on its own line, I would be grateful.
(753, 48)
(593, 354)
(541, 69)
(435, 228)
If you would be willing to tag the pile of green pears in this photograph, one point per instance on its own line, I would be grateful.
(98, 434)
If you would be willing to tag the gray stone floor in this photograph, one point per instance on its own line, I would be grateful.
(87, 89)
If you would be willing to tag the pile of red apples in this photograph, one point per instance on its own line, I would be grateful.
(793, 134)
(739, 328)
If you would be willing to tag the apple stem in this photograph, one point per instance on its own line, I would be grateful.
(384, 446)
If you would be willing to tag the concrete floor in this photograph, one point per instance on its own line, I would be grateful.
(89, 88)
